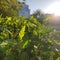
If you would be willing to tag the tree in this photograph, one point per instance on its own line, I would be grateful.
(9, 7)
(39, 15)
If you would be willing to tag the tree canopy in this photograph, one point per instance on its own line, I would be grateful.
(9, 7)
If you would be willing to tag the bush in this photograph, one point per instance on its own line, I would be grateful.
(24, 39)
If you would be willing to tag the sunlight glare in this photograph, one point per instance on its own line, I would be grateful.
(54, 8)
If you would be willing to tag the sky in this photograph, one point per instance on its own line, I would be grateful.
(39, 4)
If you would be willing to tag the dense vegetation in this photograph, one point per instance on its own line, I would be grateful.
(9, 7)
(25, 39)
